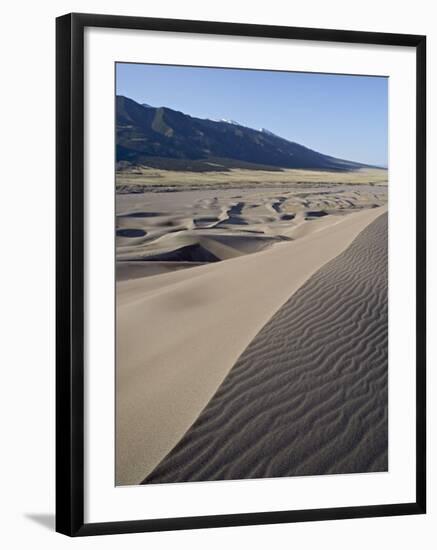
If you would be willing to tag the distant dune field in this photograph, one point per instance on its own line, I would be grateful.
(163, 231)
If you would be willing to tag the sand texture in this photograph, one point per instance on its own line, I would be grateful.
(179, 334)
(165, 231)
(308, 395)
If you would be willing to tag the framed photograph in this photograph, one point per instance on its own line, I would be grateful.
(240, 274)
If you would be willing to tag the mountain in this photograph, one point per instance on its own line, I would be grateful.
(164, 138)
(230, 121)
(265, 131)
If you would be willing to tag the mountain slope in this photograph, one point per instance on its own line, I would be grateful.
(164, 138)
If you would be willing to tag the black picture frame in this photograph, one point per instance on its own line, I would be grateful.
(70, 273)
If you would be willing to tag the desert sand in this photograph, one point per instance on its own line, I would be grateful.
(182, 333)
(162, 231)
(318, 408)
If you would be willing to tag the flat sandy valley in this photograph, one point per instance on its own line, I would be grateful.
(251, 324)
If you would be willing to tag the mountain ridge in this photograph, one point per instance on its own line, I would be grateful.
(165, 138)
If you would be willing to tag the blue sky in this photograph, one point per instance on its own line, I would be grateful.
(340, 115)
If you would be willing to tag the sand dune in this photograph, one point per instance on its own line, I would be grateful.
(180, 333)
(137, 270)
(308, 395)
(190, 228)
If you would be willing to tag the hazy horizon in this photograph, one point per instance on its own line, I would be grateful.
(339, 115)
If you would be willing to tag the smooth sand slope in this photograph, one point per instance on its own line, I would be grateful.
(308, 396)
(180, 333)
